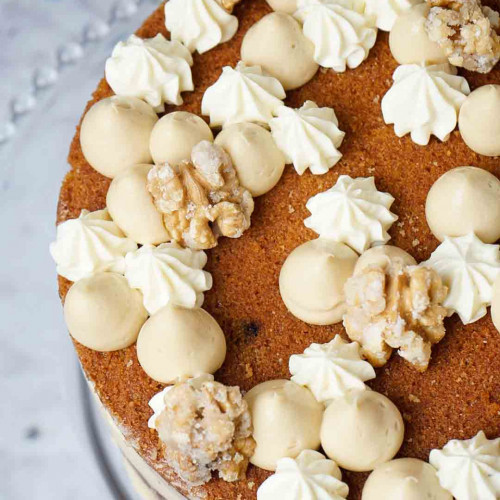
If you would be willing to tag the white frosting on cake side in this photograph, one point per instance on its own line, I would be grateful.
(468, 267)
(308, 137)
(342, 35)
(199, 24)
(153, 69)
(242, 94)
(353, 212)
(90, 244)
(424, 101)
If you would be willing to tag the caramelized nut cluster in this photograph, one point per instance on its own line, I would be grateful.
(202, 199)
(467, 31)
(399, 308)
(206, 427)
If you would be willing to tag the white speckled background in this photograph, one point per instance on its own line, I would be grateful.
(53, 53)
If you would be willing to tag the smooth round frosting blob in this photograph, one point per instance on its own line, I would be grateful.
(115, 134)
(132, 209)
(177, 343)
(404, 479)
(103, 313)
(175, 135)
(277, 43)
(409, 41)
(362, 430)
(312, 280)
(287, 6)
(465, 200)
(257, 160)
(384, 256)
(495, 304)
(286, 420)
(479, 120)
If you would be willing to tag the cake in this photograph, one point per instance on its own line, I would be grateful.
(455, 398)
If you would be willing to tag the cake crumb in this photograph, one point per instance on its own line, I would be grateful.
(413, 398)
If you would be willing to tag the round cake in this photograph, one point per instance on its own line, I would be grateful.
(455, 398)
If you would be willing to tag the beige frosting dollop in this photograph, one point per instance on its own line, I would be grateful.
(312, 280)
(479, 120)
(385, 257)
(177, 343)
(362, 430)
(287, 6)
(103, 313)
(404, 479)
(464, 200)
(256, 158)
(132, 208)
(277, 44)
(495, 304)
(175, 135)
(409, 41)
(286, 420)
(115, 134)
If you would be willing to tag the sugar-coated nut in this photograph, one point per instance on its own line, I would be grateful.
(256, 158)
(177, 343)
(404, 479)
(479, 120)
(175, 135)
(385, 257)
(409, 41)
(362, 430)
(115, 134)
(464, 200)
(495, 304)
(312, 280)
(132, 208)
(287, 6)
(277, 43)
(286, 420)
(103, 313)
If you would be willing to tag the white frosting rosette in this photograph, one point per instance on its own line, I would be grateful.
(153, 69)
(385, 12)
(424, 101)
(308, 137)
(342, 35)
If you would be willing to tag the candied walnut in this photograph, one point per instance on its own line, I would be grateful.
(202, 199)
(228, 4)
(467, 31)
(398, 308)
(206, 427)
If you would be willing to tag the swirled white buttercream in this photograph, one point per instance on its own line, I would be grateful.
(90, 244)
(199, 24)
(153, 69)
(468, 267)
(168, 274)
(331, 370)
(342, 35)
(308, 137)
(469, 469)
(242, 94)
(424, 100)
(385, 12)
(353, 212)
(310, 476)
(157, 402)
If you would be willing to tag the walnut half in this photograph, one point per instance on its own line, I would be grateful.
(396, 308)
(202, 199)
(467, 32)
(206, 427)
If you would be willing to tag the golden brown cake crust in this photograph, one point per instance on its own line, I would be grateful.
(458, 395)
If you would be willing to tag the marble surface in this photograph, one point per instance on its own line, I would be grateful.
(53, 54)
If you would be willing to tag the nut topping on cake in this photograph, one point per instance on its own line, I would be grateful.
(396, 308)
(201, 199)
(206, 426)
(467, 31)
